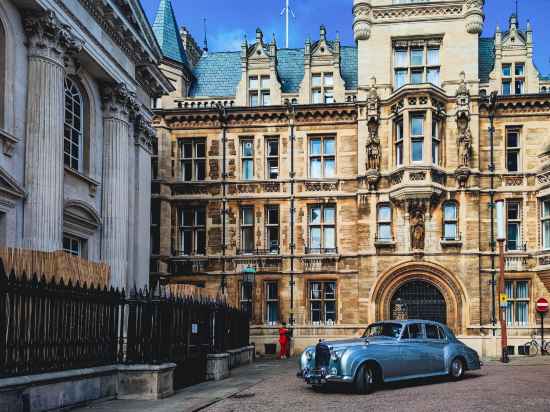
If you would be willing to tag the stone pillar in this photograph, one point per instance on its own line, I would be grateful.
(49, 42)
(118, 103)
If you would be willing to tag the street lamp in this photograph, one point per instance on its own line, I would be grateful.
(501, 237)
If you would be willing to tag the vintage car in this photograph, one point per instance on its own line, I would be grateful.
(388, 351)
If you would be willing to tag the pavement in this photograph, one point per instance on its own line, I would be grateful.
(271, 385)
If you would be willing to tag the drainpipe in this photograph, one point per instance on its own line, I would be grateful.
(291, 117)
(223, 122)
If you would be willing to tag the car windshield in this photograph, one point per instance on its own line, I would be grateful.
(391, 330)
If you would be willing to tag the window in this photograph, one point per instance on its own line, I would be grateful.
(192, 159)
(322, 229)
(74, 126)
(506, 87)
(520, 69)
(322, 302)
(322, 157)
(416, 63)
(73, 245)
(272, 228)
(247, 159)
(506, 70)
(450, 221)
(259, 91)
(413, 331)
(545, 223)
(436, 141)
(399, 142)
(272, 158)
(271, 303)
(519, 86)
(512, 149)
(417, 138)
(513, 79)
(384, 232)
(247, 229)
(192, 231)
(322, 88)
(246, 297)
(513, 227)
(517, 310)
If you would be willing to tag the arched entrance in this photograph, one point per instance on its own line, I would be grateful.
(429, 290)
(418, 299)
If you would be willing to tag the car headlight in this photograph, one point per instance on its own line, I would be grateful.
(336, 355)
(309, 355)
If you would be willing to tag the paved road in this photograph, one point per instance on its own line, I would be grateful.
(496, 388)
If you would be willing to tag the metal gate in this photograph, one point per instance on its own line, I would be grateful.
(418, 299)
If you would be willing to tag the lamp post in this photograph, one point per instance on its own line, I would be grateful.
(501, 237)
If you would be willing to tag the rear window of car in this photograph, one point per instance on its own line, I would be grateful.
(413, 331)
(432, 332)
(392, 330)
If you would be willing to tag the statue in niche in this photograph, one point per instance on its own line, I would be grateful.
(465, 139)
(373, 146)
(418, 231)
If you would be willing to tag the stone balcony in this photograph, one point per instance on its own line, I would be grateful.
(263, 260)
(320, 259)
(417, 183)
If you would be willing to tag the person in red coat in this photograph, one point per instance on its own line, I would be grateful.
(283, 341)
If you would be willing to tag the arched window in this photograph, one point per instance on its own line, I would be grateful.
(73, 148)
(450, 221)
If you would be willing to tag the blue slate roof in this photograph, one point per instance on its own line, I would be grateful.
(166, 31)
(218, 74)
(486, 58)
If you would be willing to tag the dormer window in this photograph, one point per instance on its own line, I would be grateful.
(513, 80)
(259, 91)
(416, 62)
(322, 88)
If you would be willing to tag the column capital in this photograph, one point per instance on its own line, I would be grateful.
(118, 101)
(48, 37)
(144, 132)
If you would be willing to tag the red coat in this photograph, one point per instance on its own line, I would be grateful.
(283, 338)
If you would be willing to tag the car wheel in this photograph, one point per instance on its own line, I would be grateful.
(364, 380)
(457, 369)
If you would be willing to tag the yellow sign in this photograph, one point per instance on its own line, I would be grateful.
(503, 299)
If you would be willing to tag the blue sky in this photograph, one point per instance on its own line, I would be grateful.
(228, 21)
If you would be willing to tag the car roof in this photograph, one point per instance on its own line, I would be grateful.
(407, 321)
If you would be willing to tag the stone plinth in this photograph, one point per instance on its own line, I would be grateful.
(146, 381)
(217, 366)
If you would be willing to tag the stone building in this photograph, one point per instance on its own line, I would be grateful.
(333, 186)
(77, 79)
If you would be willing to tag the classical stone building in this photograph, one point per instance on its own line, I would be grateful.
(358, 183)
(77, 79)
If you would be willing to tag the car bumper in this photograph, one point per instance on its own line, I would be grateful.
(320, 377)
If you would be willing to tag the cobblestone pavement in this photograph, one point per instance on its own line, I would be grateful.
(496, 387)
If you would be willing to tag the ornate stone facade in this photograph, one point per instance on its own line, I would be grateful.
(383, 186)
(71, 105)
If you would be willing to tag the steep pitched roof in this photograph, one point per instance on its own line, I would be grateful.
(218, 74)
(486, 58)
(166, 31)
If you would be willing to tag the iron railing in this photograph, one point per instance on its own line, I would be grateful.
(48, 326)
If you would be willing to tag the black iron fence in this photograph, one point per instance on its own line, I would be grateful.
(48, 326)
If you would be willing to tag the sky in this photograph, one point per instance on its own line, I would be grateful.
(228, 21)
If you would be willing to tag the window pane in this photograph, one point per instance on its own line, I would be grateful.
(522, 289)
(248, 216)
(330, 214)
(506, 70)
(399, 154)
(253, 84)
(266, 99)
(316, 80)
(546, 208)
(200, 149)
(510, 314)
(329, 147)
(450, 231)
(400, 78)
(330, 290)
(272, 312)
(330, 312)
(417, 57)
(247, 239)
(433, 57)
(254, 99)
(450, 211)
(417, 150)
(315, 147)
(271, 290)
(519, 87)
(512, 161)
(417, 76)
(315, 237)
(186, 246)
(316, 96)
(201, 242)
(329, 97)
(400, 58)
(315, 290)
(506, 88)
(200, 169)
(433, 76)
(316, 312)
(512, 139)
(188, 150)
(509, 287)
(384, 231)
(512, 241)
(187, 219)
(330, 168)
(273, 238)
(248, 169)
(265, 82)
(384, 214)
(329, 80)
(513, 211)
(315, 215)
(546, 234)
(273, 216)
(519, 69)
(247, 148)
(417, 126)
(273, 168)
(435, 152)
(272, 147)
(315, 168)
(330, 238)
(522, 313)
(200, 217)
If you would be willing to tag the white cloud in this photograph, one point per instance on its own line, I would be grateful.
(226, 40)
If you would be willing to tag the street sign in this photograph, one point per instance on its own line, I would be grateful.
(542, 305)
(503, 300)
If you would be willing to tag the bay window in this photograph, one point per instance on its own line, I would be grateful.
(417, 138)
(399, 142)
(545, 223)
(436, 141)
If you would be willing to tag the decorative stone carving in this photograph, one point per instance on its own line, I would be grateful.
(465, 139)
(361, 21)
(418, 230)
(473, 12)
(144, 132)
(116, 98)
(373, 141)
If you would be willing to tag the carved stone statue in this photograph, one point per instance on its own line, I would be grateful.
(418, 231)
(373, 117)
(465, 148)
(465, 139)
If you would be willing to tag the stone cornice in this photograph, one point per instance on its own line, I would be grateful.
(525, 103)
(416, 11)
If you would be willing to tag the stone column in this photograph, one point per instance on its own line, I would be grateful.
(118, 103)
(49, 42)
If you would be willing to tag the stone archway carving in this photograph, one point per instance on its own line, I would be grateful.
(449, 286)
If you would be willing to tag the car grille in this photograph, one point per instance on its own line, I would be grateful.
(322, 355)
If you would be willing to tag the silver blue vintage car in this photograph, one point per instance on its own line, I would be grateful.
(388, 351)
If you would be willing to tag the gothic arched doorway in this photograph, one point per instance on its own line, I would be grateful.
(418, 299)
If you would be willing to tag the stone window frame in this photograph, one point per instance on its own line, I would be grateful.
(195, 160)
(380, 222)
(195, 228)
(513, 149)
(513, 301)
(269, 157)
(323, 300)
(544, 219)
(446, 221)
(324, 89)
(268, 226)
(259, 91)
(322, 156)
(415, 44)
